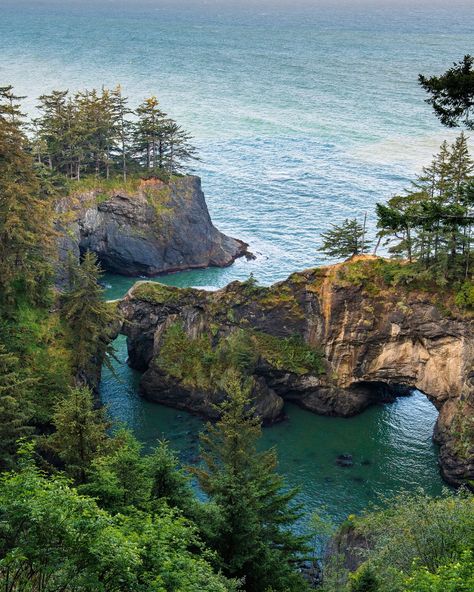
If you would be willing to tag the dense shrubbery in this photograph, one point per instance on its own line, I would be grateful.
(199, 363)
(416, 543)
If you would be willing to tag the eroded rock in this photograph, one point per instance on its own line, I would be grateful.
(155, 228)
(358, 341)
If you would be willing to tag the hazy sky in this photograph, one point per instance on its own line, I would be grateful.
(258, 4)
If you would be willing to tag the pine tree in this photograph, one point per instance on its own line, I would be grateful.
(89, 317)
(452, 94)
(151, 135)
(432, 221)
(120, 479)
(253, 536)
(345, 240)
(178, 148)
(14, 409)
(80, 432)
(123, 127)
(26, 234)
(169, 482)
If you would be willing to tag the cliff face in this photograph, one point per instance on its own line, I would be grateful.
(334, 340)
(151, 229)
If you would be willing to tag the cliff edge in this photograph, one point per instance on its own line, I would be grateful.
(333, 340)
(146, 228)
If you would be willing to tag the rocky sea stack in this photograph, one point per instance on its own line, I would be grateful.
(333, 340)
(144, 227)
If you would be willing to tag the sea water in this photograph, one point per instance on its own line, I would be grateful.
(302, 116)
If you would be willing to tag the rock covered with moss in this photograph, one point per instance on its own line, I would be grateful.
(334, 340)
(144, 227)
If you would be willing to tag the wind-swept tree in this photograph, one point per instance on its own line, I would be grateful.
(452, 94)
(177, 148)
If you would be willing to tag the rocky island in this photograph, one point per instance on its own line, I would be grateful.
(144, 227)
(333, 340)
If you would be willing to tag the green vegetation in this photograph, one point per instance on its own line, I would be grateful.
(345, 240)
(26, 231)
(416, 543)
(156, 293)
(428, 230)
(452, 94)
(431, 223)
(253, 537)
(203, 362)
(53, 538)
(92, 133)
(84, 507)
(89, 317)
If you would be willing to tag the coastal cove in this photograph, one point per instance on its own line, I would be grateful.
(391, 444)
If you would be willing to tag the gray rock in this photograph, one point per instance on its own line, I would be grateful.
(156, 229)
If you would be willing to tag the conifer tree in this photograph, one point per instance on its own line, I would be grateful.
(14, 409)
(150, 135)
(452, 94)
(119, 479)
(432, 221)
(80, 432)
(345, 240)
(253, 538)
(178, 148)
(169, 482)
(88, 315)
(25, 212)
(123, 127)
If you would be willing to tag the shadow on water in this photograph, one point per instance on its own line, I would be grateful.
(390, 445)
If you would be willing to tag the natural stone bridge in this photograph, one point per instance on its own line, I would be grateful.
(333, 340)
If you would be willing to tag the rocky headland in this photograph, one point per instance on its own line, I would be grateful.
(144, 227)
(333, 340)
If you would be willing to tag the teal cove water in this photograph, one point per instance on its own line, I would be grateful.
(302, 116)
(391, 444)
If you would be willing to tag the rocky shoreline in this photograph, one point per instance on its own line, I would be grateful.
(322, 339)
(150, 229)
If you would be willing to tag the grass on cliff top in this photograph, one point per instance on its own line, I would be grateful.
(201, 363)
(156, 293)
(107, 187)
(379, 276)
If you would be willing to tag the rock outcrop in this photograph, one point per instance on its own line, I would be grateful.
(333, 340)
(151, 228)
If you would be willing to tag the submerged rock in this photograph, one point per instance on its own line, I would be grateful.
(157, 227)
(344, 460)
(332, 340)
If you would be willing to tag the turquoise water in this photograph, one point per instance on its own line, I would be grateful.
(390, 444)
(302, 117)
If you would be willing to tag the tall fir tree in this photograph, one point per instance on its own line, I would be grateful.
(89, 317)
(254, 537)
(80, 432)
(26, 212)
(14, 408)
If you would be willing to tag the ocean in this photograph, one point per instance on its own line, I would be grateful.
(302, 117)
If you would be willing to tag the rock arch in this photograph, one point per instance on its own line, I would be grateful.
(366, 336)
